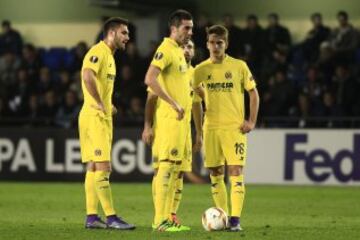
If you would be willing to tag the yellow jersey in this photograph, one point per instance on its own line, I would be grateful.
(224, 85)
(192, 97)
(99, 59)
(174, 79)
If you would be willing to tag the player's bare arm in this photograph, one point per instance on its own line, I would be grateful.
(249, 125)
(151, 81)
(90, 83)
(197, 113)
(200, 91)
(148, 133)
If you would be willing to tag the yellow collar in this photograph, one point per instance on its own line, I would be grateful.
(171, 41)
(106, 47)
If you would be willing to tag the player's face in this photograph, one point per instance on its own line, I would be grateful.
(184, 31)
(188, 50)
(121, 37)
(216, 45)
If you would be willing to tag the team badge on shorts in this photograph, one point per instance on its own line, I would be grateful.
(94, 59)
(174, 152)
(97, 152)
(228, 75)
(158, 55)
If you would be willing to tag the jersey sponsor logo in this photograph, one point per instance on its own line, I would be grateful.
(220, 87)
(158, 55)
(110, 76)
(97, 152)
(94, 59)
(228, 75)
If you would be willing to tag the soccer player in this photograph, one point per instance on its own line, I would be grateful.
(150, 130)
(95, 124)
(224, 79)
(169, 67)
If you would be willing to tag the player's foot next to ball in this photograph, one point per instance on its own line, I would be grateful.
(234, 224)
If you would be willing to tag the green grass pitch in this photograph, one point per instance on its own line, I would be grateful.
(56, 211)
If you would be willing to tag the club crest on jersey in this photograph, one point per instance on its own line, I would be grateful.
(158, 55)
(174, 152)
(228, 75)
(94, 59)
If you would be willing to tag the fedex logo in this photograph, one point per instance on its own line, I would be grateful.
(319, 158)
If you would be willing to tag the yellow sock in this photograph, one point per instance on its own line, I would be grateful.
(171, 195)
(153, 189)
(92, 200)
(237, 195)
(163, 180)
(103, 191)
(179, 184)
(219, 193)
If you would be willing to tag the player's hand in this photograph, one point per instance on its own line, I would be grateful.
(198, 142)
(99, 107)
(113, 110)
(247, 126)
(148, 136)
(180, 111)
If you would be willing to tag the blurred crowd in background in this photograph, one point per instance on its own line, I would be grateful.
(315, 81)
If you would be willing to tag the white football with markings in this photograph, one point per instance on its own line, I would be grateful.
(214, 219)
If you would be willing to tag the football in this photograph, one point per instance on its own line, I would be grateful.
(214, 219)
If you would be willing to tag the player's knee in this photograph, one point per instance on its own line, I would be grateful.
(216, 171)
(103, 166)
(235, 170)
(90, 166)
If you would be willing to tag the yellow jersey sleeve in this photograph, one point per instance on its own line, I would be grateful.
(93, 60)
(249, 81)
(162, 58)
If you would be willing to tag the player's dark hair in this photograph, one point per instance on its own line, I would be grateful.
(177, 16)
(218, 30)
(112, 23)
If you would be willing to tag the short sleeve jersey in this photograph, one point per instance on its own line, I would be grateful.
(99, 59)
(224, 85)
(169, 57)
(192, 97)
